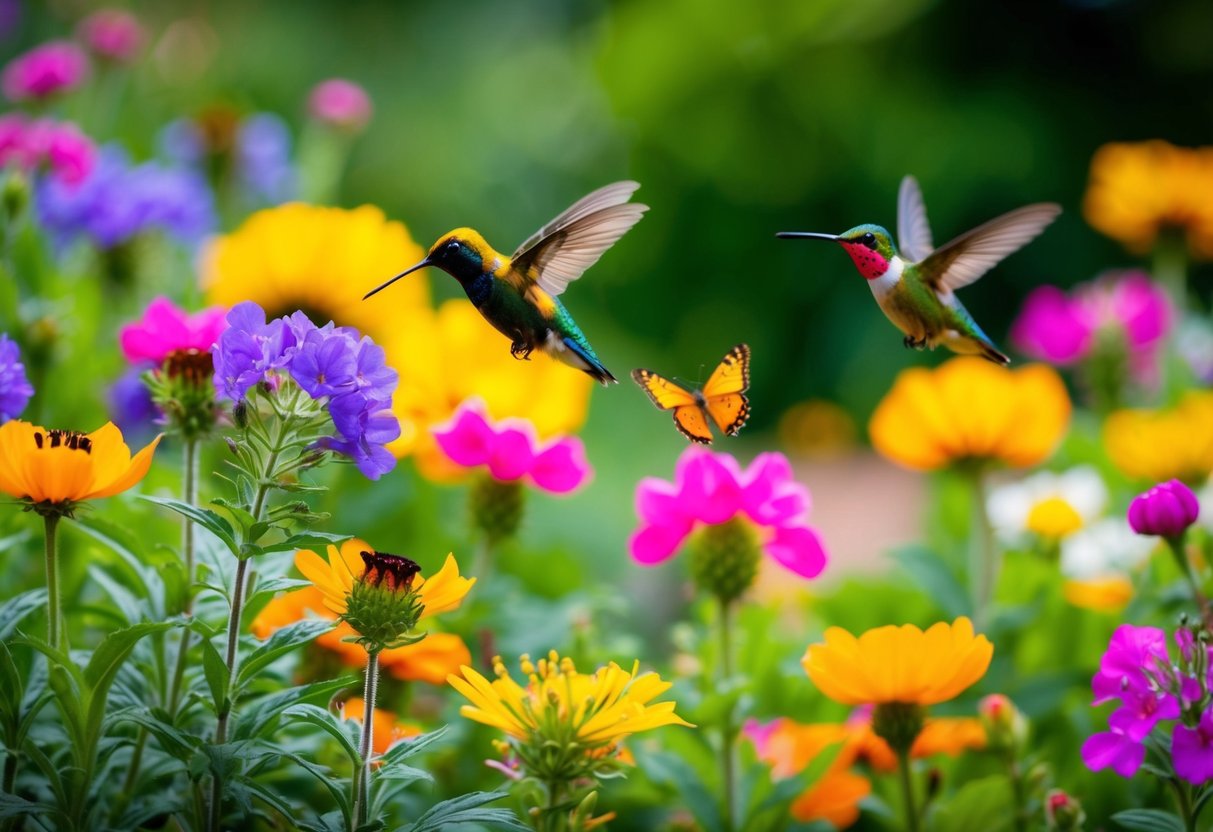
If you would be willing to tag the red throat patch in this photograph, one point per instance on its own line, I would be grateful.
(870, 264)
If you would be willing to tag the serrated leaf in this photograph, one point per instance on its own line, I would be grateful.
(15, 609)
(283, 641)
(467, 809)
(1148, 820)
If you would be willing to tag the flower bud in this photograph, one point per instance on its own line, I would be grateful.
(1063, 812)
(1006, 727)
(382, 605)
(725, 558)
(1166, 510)
(496, 507)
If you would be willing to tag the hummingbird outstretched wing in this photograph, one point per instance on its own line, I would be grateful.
(972, 254)
(562, 250)
(913, 230)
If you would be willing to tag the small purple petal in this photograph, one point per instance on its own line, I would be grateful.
(1114, 750)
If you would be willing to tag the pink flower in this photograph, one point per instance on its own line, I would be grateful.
(165, 329)
(710, 489)
(511, 450)
(341, 104)
(59, 144)
(113, 34)
(43, 71)
(1062, 328)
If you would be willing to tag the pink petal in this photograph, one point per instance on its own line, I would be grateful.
(710, 492)
(467, 437)
(658, 501)
(561, 467)
(771, 496)
(798, 549)
(1052, 327)
(512, 453)
(653, 544)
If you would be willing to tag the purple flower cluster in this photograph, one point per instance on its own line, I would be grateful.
(261, 154)
(117, 201)
(1137, 671)
(15, 389)
(329, 363)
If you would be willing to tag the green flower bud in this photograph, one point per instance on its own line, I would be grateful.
(725, 557)
(496, 507)
(183, 392)
(898, 724)
(382, 605)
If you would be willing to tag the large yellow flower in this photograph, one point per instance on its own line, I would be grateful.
(899, 664)
(970, 409)
(58, 468)
(563, 705)
(1137, 190)
(320, 260)
(448, 356)
(335, 578)
(1170, 443)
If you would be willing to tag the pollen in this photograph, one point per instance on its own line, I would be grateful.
(73, 439)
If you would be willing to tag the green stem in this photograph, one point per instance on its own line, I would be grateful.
(362, 777)
(728, 763)
(907, 791)
(54, 629)
(1179, 551)
(1019, 792)
(1171, 268)
(189, 494)
(551, 816)
(984, 559)
(1184, 801)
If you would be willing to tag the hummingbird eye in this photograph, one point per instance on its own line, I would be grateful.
(868, 240)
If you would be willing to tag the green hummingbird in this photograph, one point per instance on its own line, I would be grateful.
(519, 294)
(915, 286)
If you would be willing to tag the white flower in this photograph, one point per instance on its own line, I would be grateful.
(1047, 504)
(1105, 548)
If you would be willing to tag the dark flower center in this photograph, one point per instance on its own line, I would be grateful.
(194, 366)
(73, 439)
(393, 570)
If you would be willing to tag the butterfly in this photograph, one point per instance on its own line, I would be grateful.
(722, 397)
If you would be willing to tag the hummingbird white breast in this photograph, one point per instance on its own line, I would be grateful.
(886, 282)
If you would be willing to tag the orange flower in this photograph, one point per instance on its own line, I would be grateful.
(430, 660)
(970, 409)
(834, 798)
(1164, 444)
(387, 729)
(58, 468)
(1107, 594)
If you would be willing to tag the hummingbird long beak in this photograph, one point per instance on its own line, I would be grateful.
(409, 270)
(812, 235)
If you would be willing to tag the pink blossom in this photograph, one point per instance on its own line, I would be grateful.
(113, 34)
(58, 144)
(165, 329)
(45, 70)
(511, 450)
(710, 489)
(1062, 328)
(340, 103)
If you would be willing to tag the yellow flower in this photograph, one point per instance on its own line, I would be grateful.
(1107, 594)
(320, 260)
(387, 729)
(1164, 444)
(1138, 190)
(559, 703)
(970, 409)
(899, 664)
(444, 357)
(58, 468)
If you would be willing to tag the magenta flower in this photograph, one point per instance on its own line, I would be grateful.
(1062, 328)
(45, 70)
(165, 329)
(113, 35)
(1192, 750)
(340, 103)
(711, 489)
(1166, 510)
(511, 450)
(1113, 749)
(57, 144)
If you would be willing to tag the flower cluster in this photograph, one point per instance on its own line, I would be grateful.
(117, 201)
(15, 389)
(329, 363)
(58, 145)
(1152, 686)
(44, 71)
(256, 148)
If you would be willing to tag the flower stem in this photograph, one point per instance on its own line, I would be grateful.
(728, 768)
(1183, 799)
(907, 791)
(1179, 551)
(984, 560)
(1171, 268)
(362, 777)
(54, 630)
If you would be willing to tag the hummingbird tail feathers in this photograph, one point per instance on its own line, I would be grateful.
(583, 358)
(991, 353)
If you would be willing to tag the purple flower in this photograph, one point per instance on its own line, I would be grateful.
(1192, 750)
(44, 71)
(341, 104)
(247, 350)
(1131, 650)
(130, 404)
(116, 202)
(1115, 750)
(113, 35)
(1166, 510)
(263, 158)
(59, 145)
(324, 363)
(15, 389)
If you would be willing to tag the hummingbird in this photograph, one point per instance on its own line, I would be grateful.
(519, 294)
(915, 284)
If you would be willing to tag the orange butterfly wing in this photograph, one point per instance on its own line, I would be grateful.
(668, 395)
(724, 392)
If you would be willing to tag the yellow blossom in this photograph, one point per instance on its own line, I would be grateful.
(1106, 594)
(1164, 444)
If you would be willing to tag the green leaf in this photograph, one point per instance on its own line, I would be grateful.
(103, 665)
(667, 769)
(176, 743)
(412, 746)
(327, 722)
(126, 545)
(936, 578)
(467, 809)
(12, 689)
(304, 540)
(15, 609)
(262, 716)
(1148, 820)
(335, 786)
(204, 517)
(12, 806)
(984, 804)
(216, 672)
(279, 644)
